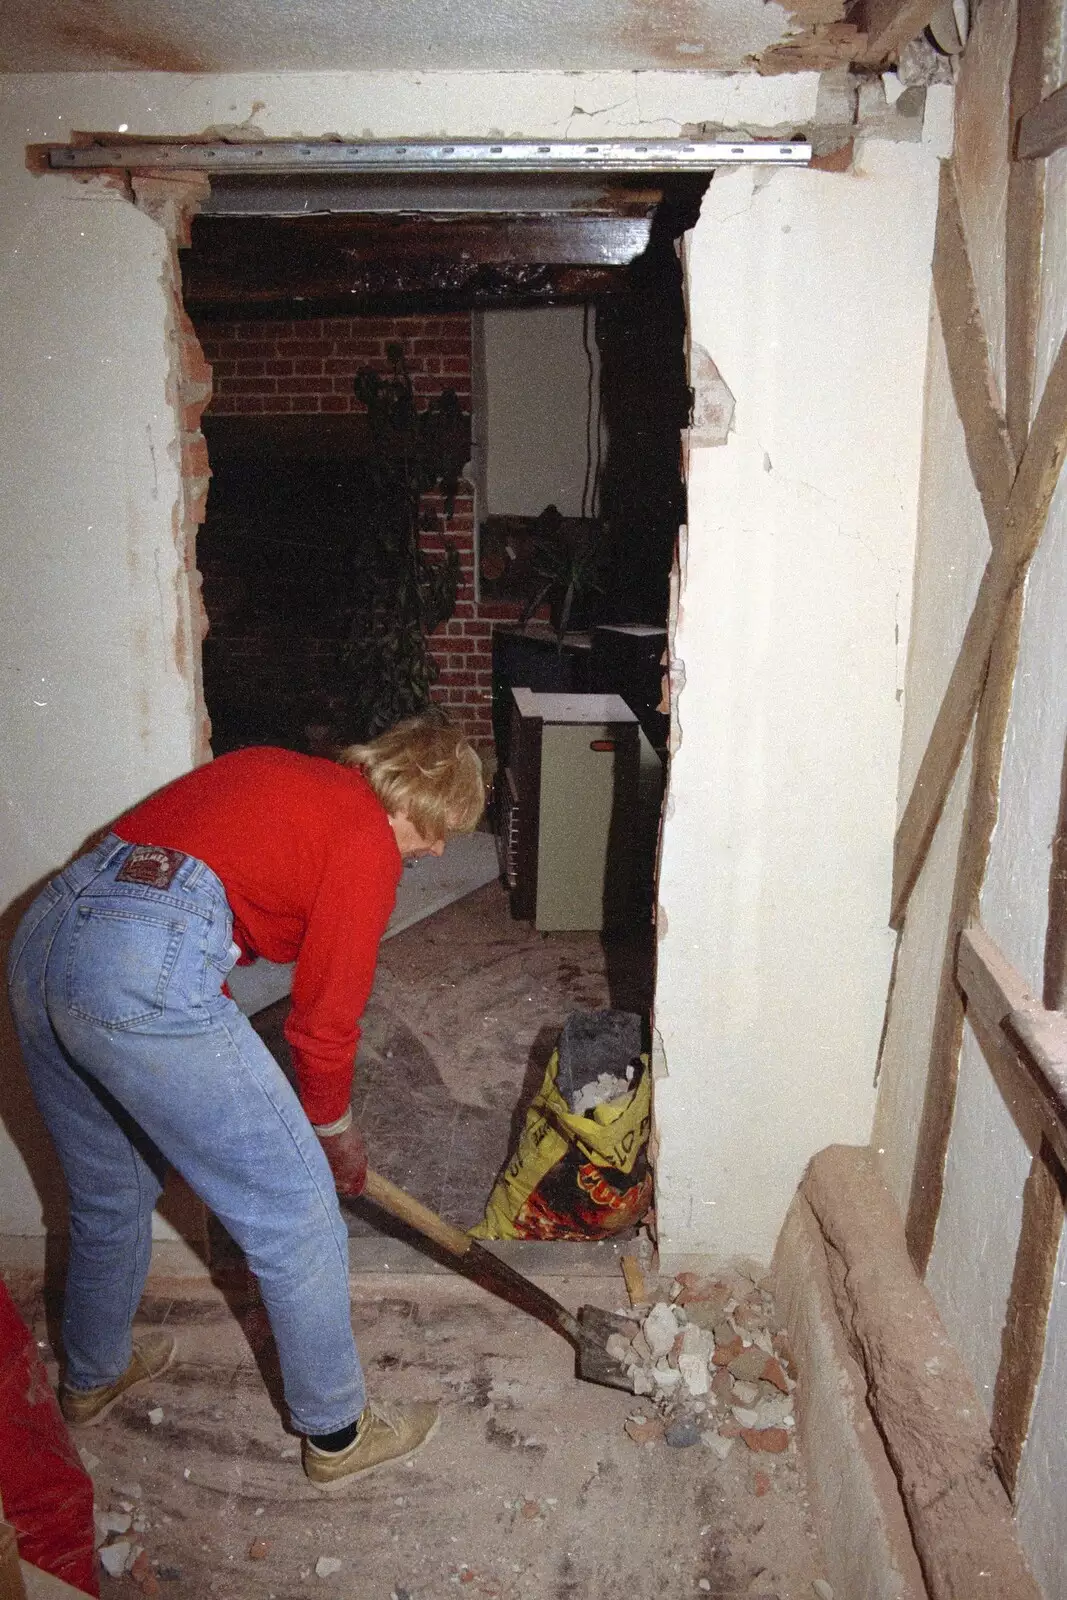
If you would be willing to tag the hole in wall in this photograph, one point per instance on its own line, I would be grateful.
(563, 345)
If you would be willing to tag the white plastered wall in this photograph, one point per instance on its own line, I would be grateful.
(96, 614)
(774, 953)
(978, 1228)
(952, 553)
(811, 300)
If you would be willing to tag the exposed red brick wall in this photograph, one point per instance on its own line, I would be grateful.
(308, 367)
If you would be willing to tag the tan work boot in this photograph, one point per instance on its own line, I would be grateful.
(151, 1355)
(386, 1433)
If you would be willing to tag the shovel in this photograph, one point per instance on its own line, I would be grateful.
(588, 1331)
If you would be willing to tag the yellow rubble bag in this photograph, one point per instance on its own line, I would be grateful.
(575, 1175)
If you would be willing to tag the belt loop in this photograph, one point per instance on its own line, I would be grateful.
(197, 873)
(112, 846)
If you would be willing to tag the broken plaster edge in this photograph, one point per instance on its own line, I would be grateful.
(860, 1519)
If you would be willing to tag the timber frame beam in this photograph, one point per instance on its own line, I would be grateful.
(1022, 522)
(1024, 1040)
(1025, 1044)
(1044, 129)
(1016, 502)
(889, 24)
(1022, 1035)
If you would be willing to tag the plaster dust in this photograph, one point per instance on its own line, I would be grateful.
(531, 1489)
(482, 989)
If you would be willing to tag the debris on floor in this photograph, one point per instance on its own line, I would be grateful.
(713, 1365)
(536, 1486)
(119, 1521)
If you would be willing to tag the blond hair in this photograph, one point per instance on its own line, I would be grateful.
(427, 770)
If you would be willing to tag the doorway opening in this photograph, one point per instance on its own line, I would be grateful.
(537, 331)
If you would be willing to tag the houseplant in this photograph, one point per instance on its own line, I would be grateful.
(402, 594)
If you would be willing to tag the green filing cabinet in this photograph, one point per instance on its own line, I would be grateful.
(571, 795)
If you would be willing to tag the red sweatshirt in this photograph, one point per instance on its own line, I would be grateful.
(310, 867)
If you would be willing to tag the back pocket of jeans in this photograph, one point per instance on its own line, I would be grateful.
(119, 965)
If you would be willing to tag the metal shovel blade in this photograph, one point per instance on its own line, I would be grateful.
(595, 1365)
(588, 1331)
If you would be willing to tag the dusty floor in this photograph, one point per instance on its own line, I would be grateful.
(466, 1010)
(532, 1490)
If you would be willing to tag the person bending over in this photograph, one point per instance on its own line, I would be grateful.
(139, 1059)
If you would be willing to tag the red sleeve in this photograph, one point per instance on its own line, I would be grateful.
(335, 972)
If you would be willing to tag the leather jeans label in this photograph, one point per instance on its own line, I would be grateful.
(151, 865)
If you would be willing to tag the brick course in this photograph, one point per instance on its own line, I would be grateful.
(263, 368)
(325, 354)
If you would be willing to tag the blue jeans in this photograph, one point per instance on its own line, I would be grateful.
(138, 1060)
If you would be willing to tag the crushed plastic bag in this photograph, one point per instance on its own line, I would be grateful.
(580, 1167)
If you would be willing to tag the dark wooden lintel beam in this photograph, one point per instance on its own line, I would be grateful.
(258, 247)
(330, 266)
(215, 300)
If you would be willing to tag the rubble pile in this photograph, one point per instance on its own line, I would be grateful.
(713, 1366)
(117, 1542)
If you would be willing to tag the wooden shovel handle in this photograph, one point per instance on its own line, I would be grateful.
(480, 1262)
(416, 1215)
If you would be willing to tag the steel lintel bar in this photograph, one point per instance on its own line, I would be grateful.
(417, 155)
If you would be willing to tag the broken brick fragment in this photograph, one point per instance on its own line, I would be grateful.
(774, 1372)
(750, 1315)
(695, 1290)
(772, 1441)
(839, 160)
(195, 463)
(748, 1366)
(258, 1549)
(722, 1385)
(761, 1483)
(725, 1353)
(644, 1430)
